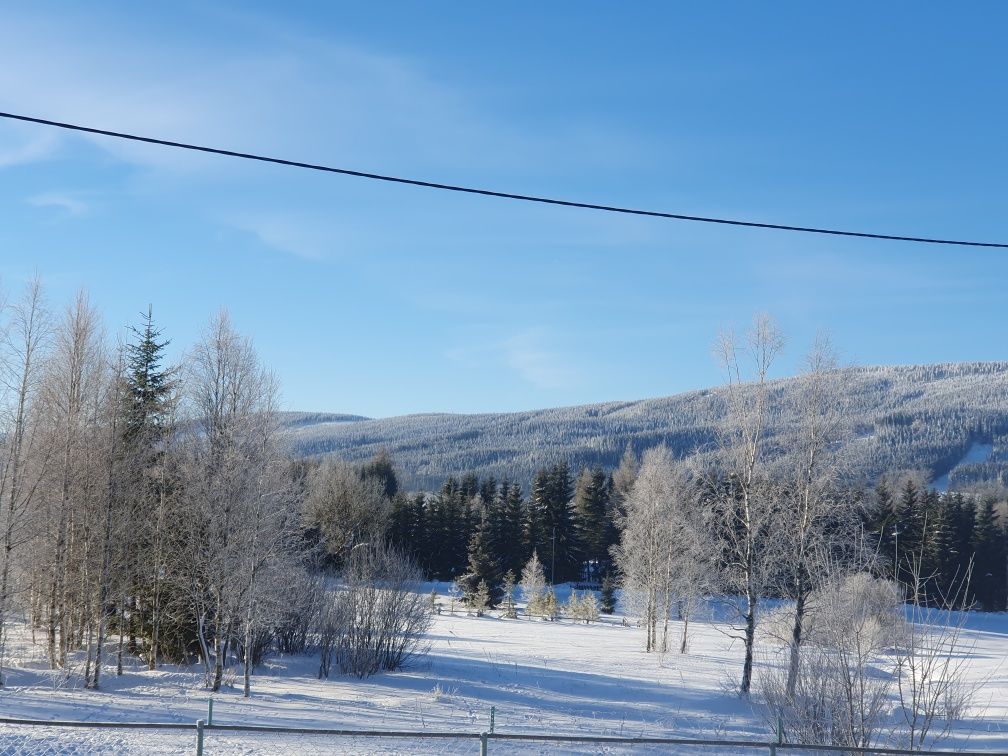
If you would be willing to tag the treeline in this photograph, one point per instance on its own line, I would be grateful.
(570, 523)
(957, 542)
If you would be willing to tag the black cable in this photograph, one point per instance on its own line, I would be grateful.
(503, 195)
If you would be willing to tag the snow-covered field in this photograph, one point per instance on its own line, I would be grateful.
(561, 678)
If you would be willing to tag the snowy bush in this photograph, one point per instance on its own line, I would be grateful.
(857, 607)
(375, 619)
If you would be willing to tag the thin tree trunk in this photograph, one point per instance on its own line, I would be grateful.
(685, 610)
(119, 649)
(796, 641)
(218, 671)
(750, 636)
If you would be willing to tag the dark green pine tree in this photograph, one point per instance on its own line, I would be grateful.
(535, 533)
(147, 405)
(418, 516)
(488, 490)
(564, 549)
(931, 517)
(148, 386)
(512, 544)
(909, 536)
(441, 536)
(470, 485)
(402, 528)
(964, 536)
(483, 567)
(943, 553)
(879, 518)
(608, 595)
(591, 508)
(455, 528)
(989, 566)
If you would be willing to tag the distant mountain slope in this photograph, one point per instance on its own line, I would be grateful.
(930, 417)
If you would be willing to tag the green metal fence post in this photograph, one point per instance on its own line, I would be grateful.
(199, 737)
(483, 744)
(209, 718)
(780, 736)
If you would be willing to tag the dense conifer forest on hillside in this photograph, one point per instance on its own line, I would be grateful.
(924, 417)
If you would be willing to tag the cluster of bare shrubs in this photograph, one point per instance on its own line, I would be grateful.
(372, 618)
(872, 671)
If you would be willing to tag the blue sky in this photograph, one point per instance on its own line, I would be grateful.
(384, 300)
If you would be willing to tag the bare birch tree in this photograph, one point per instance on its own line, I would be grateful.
(817, 514)
(24, 453)
(742, 495)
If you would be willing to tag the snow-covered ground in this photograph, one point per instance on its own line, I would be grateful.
(556, 677)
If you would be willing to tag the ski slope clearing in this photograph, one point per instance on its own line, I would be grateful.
(542, 677)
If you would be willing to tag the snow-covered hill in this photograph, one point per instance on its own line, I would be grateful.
(907, 417)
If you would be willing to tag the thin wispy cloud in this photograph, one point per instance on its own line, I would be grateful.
(298, 236)
(67, 203)
(19, 145)
(531, 355)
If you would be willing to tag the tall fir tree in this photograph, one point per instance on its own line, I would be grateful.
(591, 513)
(148, 384)
(989, 572)
(512, 548)
(559, 526)
(908, 538)
(879, 518)
(534, 531)
(483, 567)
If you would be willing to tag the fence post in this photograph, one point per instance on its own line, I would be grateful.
(199, 737)
(780, 736)
(493, 711)
(209, 718)
(483, 744)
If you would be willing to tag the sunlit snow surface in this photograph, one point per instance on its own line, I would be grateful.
(541, 676)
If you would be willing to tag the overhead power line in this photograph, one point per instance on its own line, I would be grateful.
(494, 193)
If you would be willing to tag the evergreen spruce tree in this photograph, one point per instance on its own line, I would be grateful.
(965, 508)
(534, 529)
(909, 537)
(508, 595)
(148, 399)
(488, 490)
(558, 526)
(591, 508)
(572, 609)
(479, 602)
(483, 567)
(401, 525)
(879, 521)
(942, 551)
(533, 583)
(989, 547)
(149, 386)
(608, 594)
(513, 547)
(511, 544)
(931, 517)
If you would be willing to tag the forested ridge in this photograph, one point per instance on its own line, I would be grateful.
(921, 417)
